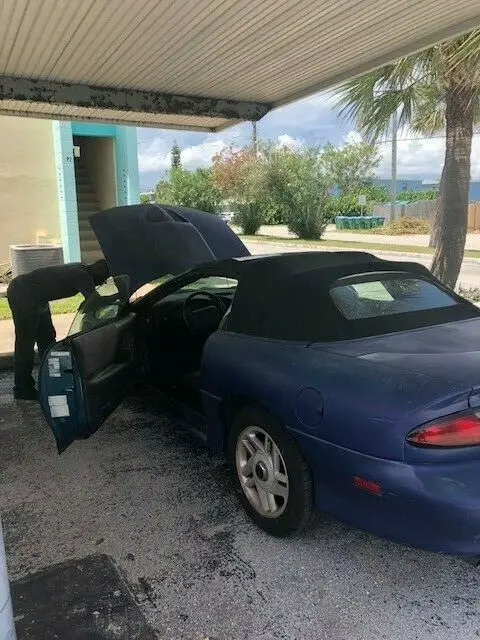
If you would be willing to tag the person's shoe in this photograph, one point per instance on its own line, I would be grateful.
(26, 394)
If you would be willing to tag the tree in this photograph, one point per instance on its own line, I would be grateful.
(432, 91)
(176, 156)
(239, 174)
(229, 170)
(351, 165)
(299, 184)
(190, 189)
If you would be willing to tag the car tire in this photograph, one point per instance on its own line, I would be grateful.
(288, 514)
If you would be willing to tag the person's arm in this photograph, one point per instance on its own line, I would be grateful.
(85, 284)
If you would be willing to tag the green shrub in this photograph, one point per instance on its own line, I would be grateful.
(248, 216)
(190, 189)
(410, 195)
(345, 204)
(299, 188)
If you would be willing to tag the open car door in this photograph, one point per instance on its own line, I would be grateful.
(84, 377)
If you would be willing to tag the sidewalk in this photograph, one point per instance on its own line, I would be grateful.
(281, 231)
(7, 334)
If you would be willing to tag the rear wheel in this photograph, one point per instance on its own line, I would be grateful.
(271, 473)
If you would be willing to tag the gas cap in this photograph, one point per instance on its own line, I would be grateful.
(309, 407)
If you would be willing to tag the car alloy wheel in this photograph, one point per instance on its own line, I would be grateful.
(271, 473)
(262, 472)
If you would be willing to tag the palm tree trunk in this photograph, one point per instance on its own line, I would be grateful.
(453, 197)
(437, 222)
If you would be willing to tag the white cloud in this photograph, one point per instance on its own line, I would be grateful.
(155, 156)
(353, 137)
(418, 158)
(284, 140)
(201, 155)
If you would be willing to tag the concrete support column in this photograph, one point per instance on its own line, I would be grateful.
(67, 193)
(126, 166)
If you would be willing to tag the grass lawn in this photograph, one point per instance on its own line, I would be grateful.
(68, 305)
(350, 244)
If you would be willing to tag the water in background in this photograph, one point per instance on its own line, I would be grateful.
(419, 185)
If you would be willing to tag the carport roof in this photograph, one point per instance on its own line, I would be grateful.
(201, 64)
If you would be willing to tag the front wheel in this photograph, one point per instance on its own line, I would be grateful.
(271, 473)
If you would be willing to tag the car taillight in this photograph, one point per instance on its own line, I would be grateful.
(459, 430)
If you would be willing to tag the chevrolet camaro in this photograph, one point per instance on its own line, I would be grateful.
(333, 381)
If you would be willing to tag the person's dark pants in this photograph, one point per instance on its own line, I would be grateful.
(33, 324)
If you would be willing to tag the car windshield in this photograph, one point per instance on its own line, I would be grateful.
(212, 282)
(376, 295)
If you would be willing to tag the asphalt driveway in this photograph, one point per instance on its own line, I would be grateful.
(153, 499)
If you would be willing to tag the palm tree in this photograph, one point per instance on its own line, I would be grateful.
(436, 90)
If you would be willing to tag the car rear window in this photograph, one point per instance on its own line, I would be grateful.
(375, 295)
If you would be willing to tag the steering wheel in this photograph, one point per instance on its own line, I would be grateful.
(190, 314)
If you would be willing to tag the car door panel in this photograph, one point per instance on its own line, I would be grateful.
(84, 377)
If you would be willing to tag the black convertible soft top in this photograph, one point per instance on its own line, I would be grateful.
(287, 296)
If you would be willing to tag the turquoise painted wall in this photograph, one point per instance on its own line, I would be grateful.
(126, 172)
(67, 194)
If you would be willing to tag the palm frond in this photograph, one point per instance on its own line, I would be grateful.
(371, 99)
(465, 51)
(428, 115)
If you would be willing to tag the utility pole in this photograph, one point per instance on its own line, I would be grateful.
(254, 136)
(393, 195)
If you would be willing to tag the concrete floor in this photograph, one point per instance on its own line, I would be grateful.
(153, 498)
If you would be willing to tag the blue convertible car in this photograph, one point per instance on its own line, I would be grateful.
(332, 380)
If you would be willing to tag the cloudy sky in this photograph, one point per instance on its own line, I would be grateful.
(310, 121)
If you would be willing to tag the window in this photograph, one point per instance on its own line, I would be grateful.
(148, 287)
(105, 305)
(217, 283)
(375, 295)
(212, 282)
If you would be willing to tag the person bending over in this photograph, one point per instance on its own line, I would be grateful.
(28, 296)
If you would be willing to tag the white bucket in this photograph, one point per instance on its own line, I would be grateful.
(7, 628)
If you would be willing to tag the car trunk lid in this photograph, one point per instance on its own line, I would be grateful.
(448, 351)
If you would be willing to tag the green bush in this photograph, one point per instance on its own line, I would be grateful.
(248, 216)
(190, 189)
(300, 189)
(345, 204)
(410, 195)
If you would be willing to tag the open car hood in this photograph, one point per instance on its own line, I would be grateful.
(149, 241)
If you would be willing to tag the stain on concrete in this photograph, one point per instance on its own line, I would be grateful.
(77, 600)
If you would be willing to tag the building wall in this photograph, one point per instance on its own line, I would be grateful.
(28, 183)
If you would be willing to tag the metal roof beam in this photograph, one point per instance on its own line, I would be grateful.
(134, 101)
